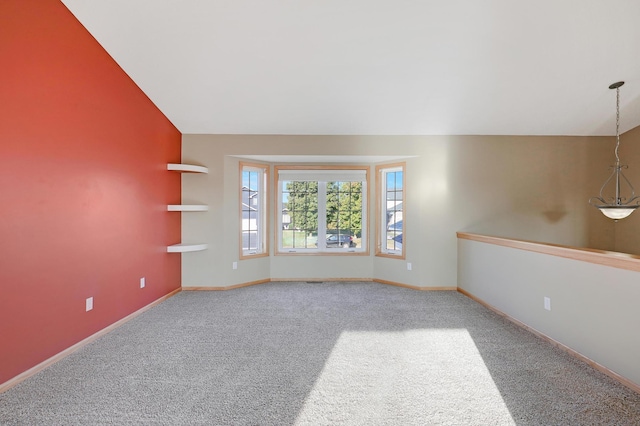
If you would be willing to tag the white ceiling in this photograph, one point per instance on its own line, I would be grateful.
(378, 67)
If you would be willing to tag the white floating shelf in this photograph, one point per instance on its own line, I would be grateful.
(184, 248)
(187, 208)
(187, 168)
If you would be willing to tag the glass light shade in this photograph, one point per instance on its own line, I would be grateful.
(617, 212)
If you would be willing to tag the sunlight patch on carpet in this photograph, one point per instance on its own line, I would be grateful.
(427, 376)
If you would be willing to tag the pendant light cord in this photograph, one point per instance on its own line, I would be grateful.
(617, 125)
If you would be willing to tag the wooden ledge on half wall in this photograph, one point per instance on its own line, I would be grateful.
(614, 259)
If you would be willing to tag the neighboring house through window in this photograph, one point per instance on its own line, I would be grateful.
(253, 209)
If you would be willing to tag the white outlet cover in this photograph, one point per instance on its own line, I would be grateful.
(547, 303)
(89, 304)
(408, 266)
(142, 282)
(235, 265)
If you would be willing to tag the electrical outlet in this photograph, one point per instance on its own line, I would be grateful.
(235, 265)
(547, 303)
(142, 282)
(408, 266)
(89, 304)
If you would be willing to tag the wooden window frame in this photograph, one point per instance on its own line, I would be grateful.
(279, 251)
(381, 209)
(263, 193)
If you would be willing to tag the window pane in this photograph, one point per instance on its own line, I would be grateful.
(299, 214)
(394, 210)
(344, 215)
(392, 230)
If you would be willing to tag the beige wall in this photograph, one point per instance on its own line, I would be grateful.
(627, 237)
(593, 307)
(532, 188)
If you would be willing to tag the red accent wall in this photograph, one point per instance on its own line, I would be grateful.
(83, 187)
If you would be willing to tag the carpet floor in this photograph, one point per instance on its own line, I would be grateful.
(319, 354)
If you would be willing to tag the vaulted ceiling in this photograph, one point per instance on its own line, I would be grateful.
(412, 67)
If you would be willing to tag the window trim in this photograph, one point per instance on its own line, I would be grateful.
(264, 200)
(381, 194)
(277, 193)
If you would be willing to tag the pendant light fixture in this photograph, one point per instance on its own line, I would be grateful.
(615, 205)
